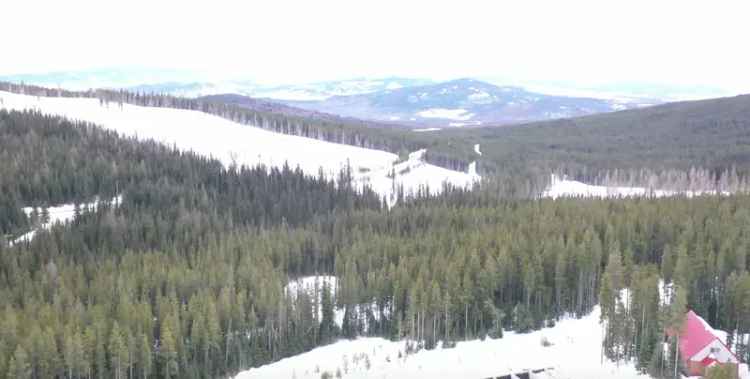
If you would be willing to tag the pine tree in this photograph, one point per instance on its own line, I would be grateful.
(675, 322)
(118, 352)
(168, 352)
(327, 323)
(144, 358)
(19, 367)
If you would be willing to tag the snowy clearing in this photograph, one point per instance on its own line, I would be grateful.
(415, 173)
(313, 286)
(574, 354)
(426, 130)
(230, 142)
(563, 187)
(450, 114)
(60, 214)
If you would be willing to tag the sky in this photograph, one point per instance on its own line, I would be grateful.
(283, 41)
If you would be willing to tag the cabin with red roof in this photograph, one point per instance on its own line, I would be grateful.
(702, 347)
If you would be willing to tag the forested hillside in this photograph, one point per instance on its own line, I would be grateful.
(185, 278)
(678, 146)
(698, 144)
(709, 134)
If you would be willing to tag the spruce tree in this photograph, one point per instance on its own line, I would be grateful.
(19, 366)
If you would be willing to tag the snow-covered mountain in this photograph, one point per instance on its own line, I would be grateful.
(461, 102)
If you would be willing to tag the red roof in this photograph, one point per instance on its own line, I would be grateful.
(694, 336)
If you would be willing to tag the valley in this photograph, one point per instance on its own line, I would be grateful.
(357, 189)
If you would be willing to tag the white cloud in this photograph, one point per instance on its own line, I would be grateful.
(668, 41)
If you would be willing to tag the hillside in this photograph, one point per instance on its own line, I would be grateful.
(714, 134)
(235, 143)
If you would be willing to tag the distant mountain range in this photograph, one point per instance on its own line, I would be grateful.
(462, 102)
(292, 92)
(390, 100)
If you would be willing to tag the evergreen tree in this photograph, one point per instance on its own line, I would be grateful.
(19, 367)
(327, 323)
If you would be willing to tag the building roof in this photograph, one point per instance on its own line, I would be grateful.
(695, 335)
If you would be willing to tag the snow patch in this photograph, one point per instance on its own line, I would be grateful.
(426, 130)
(476, 149)
(563, 187)
(481, 98)
(450, 114)
(60, 214)
(416, 174)
(473, 168)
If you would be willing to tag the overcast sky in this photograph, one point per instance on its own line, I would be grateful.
(589, 42)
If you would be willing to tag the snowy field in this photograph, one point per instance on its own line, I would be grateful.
(229, 142)
(574, 354)
(60, 214)
(563, 187)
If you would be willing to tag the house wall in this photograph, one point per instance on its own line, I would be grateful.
(721, 353)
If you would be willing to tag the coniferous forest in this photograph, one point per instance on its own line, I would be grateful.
(185, 277)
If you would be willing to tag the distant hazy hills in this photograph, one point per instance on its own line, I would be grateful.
(462, 102)
(291, 92)
(407, 101)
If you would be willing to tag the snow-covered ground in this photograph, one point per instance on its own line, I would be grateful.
(415, 173)
(313, 286)
(563, 187)
(574, 354)
(476, 149)
(60, 214)
(426, 130)
(229, 142)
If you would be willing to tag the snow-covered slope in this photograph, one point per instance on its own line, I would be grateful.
(563, 187)
(231, 142)
(575, 353)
